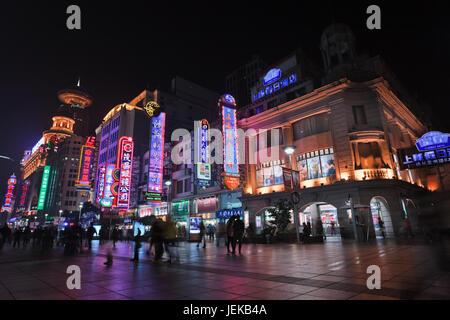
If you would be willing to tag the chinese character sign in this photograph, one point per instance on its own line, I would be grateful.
(101, 183)
(109, 180)
(125, 164)
(44, 186)
(9, 194)
(410, 159)
(23, 196)
(84, 168)
(230, 141)
(155, 169)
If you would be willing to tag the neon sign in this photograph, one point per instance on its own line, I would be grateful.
(84, 168)
(411, 159)
(433, 140)
(9, 194)
(155, 168)
(203, 166)
(101, 183)
(125, 164)
(272, 76)
(273, 86)
(44, 186)
(23, 196)
(230, 142)
(109, 180)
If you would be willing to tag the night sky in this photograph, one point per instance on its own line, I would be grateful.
(126, 47)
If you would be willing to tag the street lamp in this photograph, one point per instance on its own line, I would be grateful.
(79, 216)
(289, 150)
(59, 222)
(168, 183)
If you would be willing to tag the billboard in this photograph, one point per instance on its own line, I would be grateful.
(155, 168)
(44, 186)
(101, 183)
(9, 194)
(125, 164)
(203, 166)
(84, 168)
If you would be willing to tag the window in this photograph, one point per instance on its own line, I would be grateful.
(316, 164)
(269, 174)
(265, 138)
(359, 115)
(187, 185)
(180, 186)
(310, 126)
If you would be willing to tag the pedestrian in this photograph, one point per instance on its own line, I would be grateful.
(170, 240)
(220, 233)
(251, 233)
(157, 239)
(238, 233)
(90, 236)
(202, 235)
(333, 228)
(137, 245)
(229, 233)
(26, 236)
(381, 225)
(5, 234)
(115, 236)
(17, 236)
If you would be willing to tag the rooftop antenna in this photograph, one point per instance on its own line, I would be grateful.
(79, 80)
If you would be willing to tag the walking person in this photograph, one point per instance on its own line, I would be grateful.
(333, 228)
(157, 238)
(115, 236)
(220, 233)
(90, 236)
(202, 235)
(229, 233)
(137, 246)
(381, 225)
(17, 236)
(238, 233)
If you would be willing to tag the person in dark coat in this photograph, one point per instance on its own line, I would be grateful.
(115, 236)
(17, 237)
(238, 233)
(230, 233)
(137, 246)
(90, 236)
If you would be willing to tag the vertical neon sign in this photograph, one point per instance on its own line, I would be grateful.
(230, 142)
(125, 164)
(23, 196)
(109, 180)
(155, 168)
(203, 166)
(44, 186)
(84, 168)
(101, 183)
(9, 194)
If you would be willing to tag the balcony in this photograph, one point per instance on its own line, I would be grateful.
(374, 174)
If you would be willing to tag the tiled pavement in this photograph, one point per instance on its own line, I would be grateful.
(330, 271)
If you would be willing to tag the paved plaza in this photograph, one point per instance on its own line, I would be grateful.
(330, 271)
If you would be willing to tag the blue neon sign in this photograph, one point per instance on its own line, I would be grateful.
(274, 85)
(272, 76)
(433, 140)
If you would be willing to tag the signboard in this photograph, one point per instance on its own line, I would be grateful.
(194, 225)
(203, 166)
(228, 213)
(230, 142)
(84, 169)
(206, 205)
(246, 219)
(231, 182)
(109, 181)
(272, 84)
(433, 141)
(101, 183)
(287, 177)
(44, 186)
(180, 207)
(125, 164)
(9, 194)
(155, 168)
(23, 196)
(153, 197)
(412, 159)
(37, 145)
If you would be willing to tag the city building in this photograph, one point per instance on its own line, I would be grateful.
(342, 138)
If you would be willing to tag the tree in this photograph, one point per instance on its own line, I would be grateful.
(282, 214)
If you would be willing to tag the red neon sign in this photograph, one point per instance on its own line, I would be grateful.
(125, 164)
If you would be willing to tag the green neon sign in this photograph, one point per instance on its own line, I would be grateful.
(44, 186)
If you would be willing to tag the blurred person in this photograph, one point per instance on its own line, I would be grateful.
(202, 235)
(229, 231)
(17, 237)
(238, 234)
(137, 245)
(115, 236)
(90, 236)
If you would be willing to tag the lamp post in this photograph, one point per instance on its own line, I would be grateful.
(59, 223)
(79, 216)
(289, 150)
(168, 183)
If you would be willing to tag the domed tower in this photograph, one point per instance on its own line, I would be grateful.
(337, 45)
(76, 101)
(62, 127)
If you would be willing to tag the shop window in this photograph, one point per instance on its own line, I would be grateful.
(269, 174)
(316, 164)
(310, 126)
(359, 115)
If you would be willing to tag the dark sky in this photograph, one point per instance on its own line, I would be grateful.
(126, 46)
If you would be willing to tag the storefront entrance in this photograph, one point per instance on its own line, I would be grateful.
(381, 218)
(328, 216)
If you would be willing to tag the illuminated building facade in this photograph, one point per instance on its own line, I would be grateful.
(346, 134)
